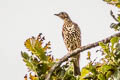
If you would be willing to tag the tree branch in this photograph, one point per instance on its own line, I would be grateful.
(77, 51)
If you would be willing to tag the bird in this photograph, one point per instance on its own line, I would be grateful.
(71, 34)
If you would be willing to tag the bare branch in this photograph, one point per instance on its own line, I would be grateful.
(77, 51)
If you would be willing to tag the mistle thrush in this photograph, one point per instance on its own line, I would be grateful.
(72, 38)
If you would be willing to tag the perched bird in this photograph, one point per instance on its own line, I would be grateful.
(72, 38)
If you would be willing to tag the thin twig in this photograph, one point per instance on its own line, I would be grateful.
(113, 16)
(77, 51)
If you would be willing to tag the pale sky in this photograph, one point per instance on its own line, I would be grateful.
(21, 19)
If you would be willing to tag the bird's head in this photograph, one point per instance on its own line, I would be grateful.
(63, 15)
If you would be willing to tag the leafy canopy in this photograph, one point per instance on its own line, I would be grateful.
(39, 61)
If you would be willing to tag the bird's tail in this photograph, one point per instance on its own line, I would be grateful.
(76, 65)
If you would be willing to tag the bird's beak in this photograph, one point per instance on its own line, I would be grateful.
(56, 14)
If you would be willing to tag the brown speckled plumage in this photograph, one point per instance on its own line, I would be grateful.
(72, 38)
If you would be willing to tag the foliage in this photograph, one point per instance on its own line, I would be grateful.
(108, 68)
(113, 2)
(115, 26)
(39, 61)
(116, 3)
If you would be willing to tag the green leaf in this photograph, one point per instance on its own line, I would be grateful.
(84, 72)
(25, 55)
(41, 54)
(88, 55)
(42, 68)
(101, 77)
(102, 45)
(35, 46)
(107, 0)
(29, 44)
(118, 18)
(108, 74)
(105, 47)
(116, 75)
(106, 68)
(115, 1)
(115, 26)
(114, 40)
(39, 62)
(118, 5)
(92, 68)
(30, 66)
